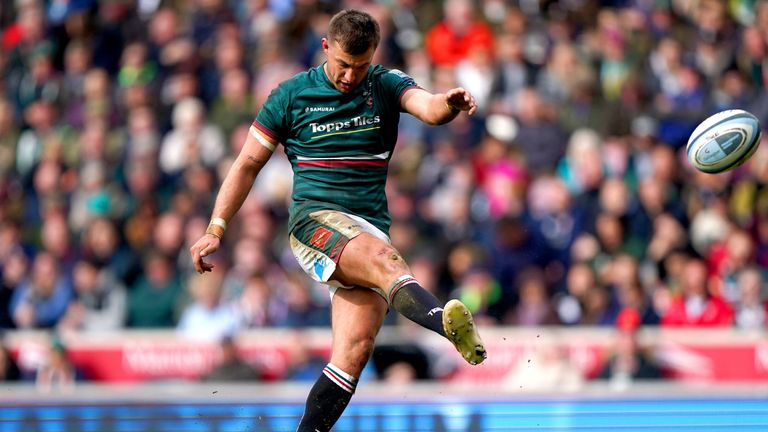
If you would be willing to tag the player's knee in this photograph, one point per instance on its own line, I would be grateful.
(389, 262)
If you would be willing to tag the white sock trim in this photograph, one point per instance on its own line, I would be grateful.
(340, 378)
(397, 284)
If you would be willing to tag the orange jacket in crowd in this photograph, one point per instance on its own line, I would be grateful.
(446, 48)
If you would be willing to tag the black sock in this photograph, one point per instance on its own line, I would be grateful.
(327, 400)
(417, 304)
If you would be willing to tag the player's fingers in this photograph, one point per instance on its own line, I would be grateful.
(207, 250)
(197, 254)
(472, 106)
(196, 260)
(455, 94)
(197, 264)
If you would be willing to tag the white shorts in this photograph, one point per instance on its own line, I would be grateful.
(317, 245)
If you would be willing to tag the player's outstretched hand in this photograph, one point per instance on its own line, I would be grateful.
(461, 99)
(207, 245)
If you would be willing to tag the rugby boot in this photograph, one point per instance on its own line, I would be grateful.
(460, 329)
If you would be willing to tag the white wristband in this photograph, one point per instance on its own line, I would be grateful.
(220, 222)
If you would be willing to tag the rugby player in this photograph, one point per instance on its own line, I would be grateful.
(338, 124)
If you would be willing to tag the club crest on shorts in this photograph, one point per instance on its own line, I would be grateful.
(320, 237)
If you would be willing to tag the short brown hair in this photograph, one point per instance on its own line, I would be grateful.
(355, 31)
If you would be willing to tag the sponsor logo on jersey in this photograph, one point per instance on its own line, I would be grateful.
(319, 109)
(346, 124)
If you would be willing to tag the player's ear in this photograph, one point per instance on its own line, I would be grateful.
(324, 44)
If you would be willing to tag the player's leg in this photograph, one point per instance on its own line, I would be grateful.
(335, 246)
(357, 315)
(369, 261)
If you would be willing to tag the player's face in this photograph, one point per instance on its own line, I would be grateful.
(346, 71)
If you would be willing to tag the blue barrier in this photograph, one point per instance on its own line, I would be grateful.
(460, 415)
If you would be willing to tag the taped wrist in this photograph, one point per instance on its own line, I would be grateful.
(216, 227)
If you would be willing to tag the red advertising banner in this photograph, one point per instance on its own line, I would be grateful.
(150, 356)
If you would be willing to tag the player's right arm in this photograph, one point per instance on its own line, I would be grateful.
(234, 189)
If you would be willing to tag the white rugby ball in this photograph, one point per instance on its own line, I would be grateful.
(723, 141)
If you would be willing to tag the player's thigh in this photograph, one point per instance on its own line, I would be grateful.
(344, 250)
(369, 261)
(356, 316)
(318, 240)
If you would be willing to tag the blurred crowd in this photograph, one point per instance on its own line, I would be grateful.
(566, 200)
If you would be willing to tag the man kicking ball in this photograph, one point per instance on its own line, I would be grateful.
(338, 124)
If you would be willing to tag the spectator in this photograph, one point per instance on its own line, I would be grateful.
(729, 258)
(249, 259)
(303, 362)
(102, 245)
(695, 305)
(514, 248)
(9, 136)
(482, 294)
(41, 82)
(44, 134)
(260, 305)
(168, 234)
(554, 219)
(41, 300)
(628, 360)
(457, 34)
(541, 140)
(751, 311)
(154, 299)
(208, 317)
(231, 367)
(513, 73)
(501, 178)
(534, 308)
(96, 104)
(14, 270)
(77, 62)
(99, 303)
(234, 105)
(193, 140)
(56, 239)
(581, 167)
(96, 197)
(227, 57)
(579, 280)
(304, 308)
(9, 370)
(166, 46)
(58, 373)
(401, 363)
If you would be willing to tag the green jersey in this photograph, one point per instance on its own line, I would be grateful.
(339, 144)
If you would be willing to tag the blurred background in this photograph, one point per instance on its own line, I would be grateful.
(564, 214)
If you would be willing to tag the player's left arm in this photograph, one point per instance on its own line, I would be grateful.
(437, 108)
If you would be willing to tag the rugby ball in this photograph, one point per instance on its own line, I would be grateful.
(723, 141)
